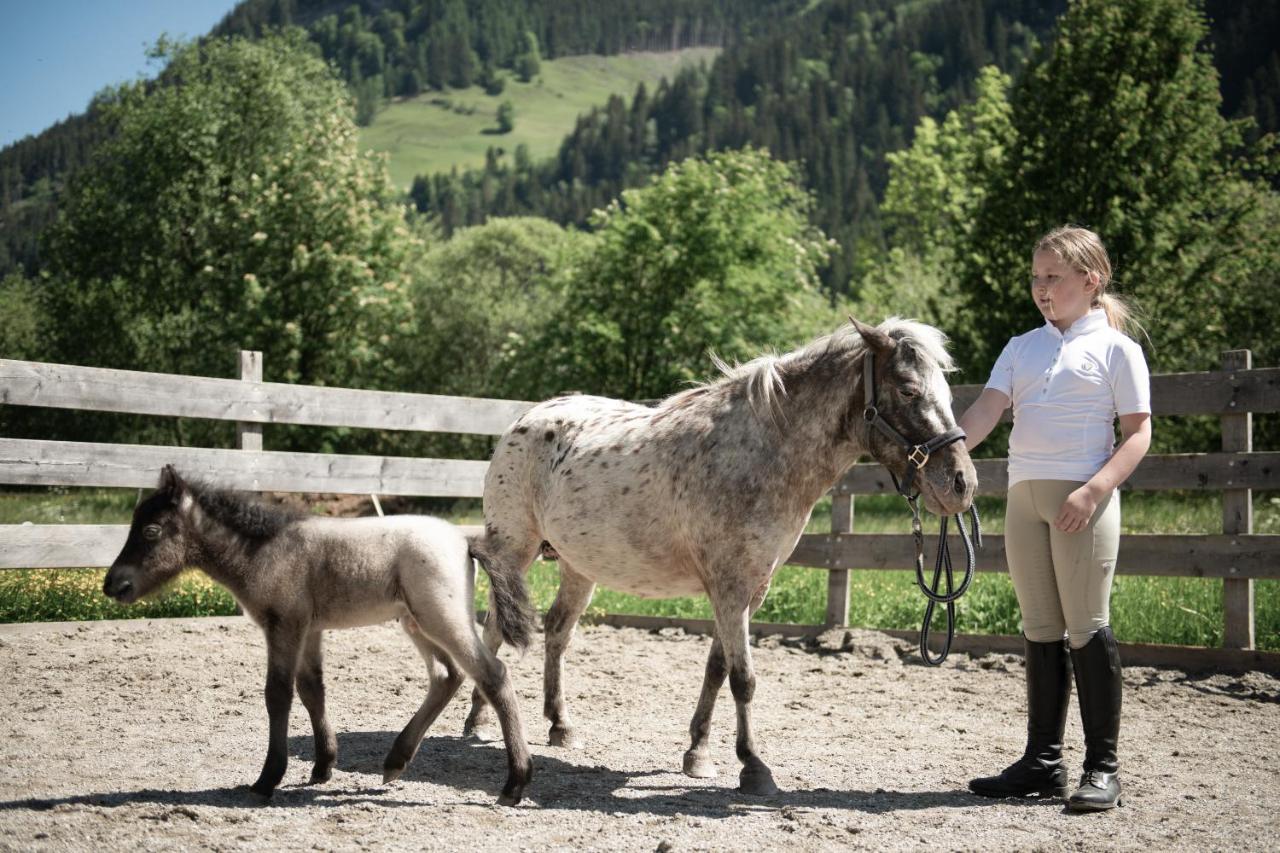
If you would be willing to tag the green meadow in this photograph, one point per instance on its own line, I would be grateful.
(437, 131)
(1144, 609)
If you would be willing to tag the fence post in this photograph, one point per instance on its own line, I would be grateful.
(249, 436)
(1237, 516)
(838, 579)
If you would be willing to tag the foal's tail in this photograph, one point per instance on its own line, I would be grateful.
(511, 605)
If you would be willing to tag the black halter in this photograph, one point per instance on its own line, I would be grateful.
(917, 457)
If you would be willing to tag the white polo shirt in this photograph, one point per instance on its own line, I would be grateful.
(1067, 390)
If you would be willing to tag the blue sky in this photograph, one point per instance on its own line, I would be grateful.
(55, 54)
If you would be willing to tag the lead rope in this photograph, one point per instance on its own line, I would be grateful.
(943, 565)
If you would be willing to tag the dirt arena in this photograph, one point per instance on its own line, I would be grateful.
(134, 735)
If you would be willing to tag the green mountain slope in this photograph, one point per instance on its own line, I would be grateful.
(436, 131)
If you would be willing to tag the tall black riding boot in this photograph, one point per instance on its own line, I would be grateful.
(1098, 684)
(1039, 771)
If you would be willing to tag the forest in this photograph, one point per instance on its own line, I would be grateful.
(868, 156)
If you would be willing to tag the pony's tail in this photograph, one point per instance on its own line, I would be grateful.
(510, 597)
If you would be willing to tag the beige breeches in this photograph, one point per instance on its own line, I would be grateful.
(1063, 580)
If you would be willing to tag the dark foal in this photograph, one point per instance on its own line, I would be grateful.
(296, 575)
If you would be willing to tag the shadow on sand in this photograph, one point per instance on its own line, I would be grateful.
(470, 766)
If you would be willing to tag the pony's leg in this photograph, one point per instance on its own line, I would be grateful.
(445, 681)
(479, 722)
(697, 761)
(284, 647)
(474, 658)
(733, 610)
(571, 600)
(310, 683)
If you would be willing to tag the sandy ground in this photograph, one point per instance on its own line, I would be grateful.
(134, 735)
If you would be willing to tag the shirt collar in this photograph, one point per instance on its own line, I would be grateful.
(1091, 322)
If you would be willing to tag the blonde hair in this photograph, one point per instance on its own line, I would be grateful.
(1084, 251)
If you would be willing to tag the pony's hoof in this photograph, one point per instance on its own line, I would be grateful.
(757, 781)
(391, 774)
(510, 799)
(699, 766)
(564, 736)
(321, 774)
(257, 793)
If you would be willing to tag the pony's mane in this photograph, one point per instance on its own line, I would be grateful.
(242, 512)
(763, 376)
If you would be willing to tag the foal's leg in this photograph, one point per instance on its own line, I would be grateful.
(697, 761)
(310, 682)
(515, 544)
(474, 658)
(445, 681)
(479, 722)
(571, 600)
(284, 646)
(733, 610)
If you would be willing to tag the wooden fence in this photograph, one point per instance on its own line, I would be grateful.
(1234, 394)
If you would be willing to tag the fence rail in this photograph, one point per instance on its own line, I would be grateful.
(1233, 394)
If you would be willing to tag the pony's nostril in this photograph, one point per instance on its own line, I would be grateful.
(960, 483)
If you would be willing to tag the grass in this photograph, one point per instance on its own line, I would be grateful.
(1185, 611)
(436, 131)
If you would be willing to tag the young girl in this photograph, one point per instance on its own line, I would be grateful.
(1067, 382)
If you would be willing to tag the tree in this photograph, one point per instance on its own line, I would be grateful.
(1116, 126)
(935, 188)
(716, 254)
(506, 117)
(232, 209)
(529, 62)
(21, 333)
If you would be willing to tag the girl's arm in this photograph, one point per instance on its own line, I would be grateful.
(982, 417)
(1078, 508)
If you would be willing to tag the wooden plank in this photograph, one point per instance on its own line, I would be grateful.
(249, 435)
(1209, 556)
(69, 463)
(70, 546)
(1195, 471)
(29, 383)
(58, 546)
(838, 579)
(1228, 391)
(1237, 518)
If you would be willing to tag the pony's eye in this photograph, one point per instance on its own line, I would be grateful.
(910, 392)
(151, 532)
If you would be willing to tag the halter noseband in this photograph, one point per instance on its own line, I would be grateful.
(917, 457)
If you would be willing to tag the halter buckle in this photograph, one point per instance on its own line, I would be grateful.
(870, 413)
(918, 456)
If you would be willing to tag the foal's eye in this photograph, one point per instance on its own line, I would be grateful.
(910, 392)
(151, 532)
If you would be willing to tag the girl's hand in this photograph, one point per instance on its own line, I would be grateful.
(1076, 511)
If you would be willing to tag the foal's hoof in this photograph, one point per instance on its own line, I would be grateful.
(510, 799)
(757, 781)
(699, 765)
(391, 774)
(484, 734)
(564, 736)
(321, 774)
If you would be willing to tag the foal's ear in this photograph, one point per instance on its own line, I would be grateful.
(171, 483)
(880, 343)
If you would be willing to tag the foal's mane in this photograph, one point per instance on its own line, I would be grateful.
(242, 512)
(764, 377)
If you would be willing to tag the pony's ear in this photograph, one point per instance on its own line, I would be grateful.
(880, 343)
(171, 483)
